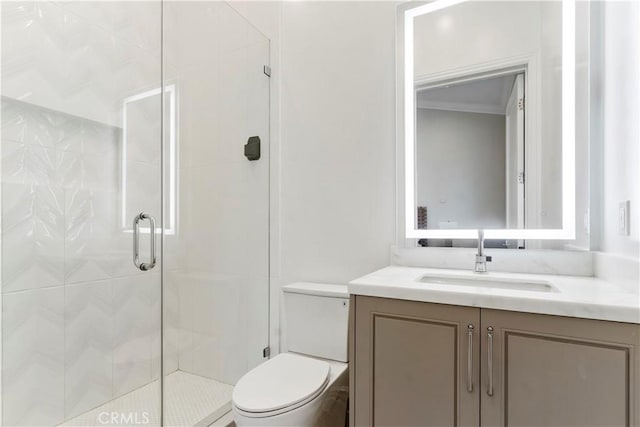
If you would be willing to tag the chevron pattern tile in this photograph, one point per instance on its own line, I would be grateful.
(89, 234)
(132, 331)
(33, 357)
(81, 325)
(51, 187)
(32, 236)
(54, 57)
(77, 321)
(88, 346)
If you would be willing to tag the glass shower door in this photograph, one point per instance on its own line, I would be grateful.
(81, 158)
(216, 259)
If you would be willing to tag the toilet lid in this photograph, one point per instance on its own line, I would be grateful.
(281, 382)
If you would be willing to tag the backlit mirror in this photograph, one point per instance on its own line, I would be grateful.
(489, 120)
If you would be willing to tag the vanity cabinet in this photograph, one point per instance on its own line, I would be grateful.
(410, 364)
(421, 364)
(558, 371)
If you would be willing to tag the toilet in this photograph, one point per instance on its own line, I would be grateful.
(307, 385)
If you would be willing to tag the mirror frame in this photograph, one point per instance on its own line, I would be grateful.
(406, 123)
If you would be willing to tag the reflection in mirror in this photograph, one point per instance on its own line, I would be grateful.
(140, 162)
(473, 133)
(476, 128)
(489, 120)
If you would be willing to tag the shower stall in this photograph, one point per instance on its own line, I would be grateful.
(134, 210)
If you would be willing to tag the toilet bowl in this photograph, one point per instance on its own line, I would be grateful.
(292, 390)
(307, 386)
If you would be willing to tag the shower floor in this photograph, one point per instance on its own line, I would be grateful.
(190, 400)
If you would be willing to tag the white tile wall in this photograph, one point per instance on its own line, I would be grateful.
(66, 262)
(89, 235)
(89, 339)
(80, 323)
(82, 58)
(32, 236)
(132, 22)
(33, 357)
(171, 292)
(132, 332)
(223, 278)
(78, 326)
(155, 324)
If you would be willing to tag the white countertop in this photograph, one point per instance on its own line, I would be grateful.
(573, 296)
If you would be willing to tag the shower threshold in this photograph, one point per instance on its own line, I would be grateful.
(190, 400)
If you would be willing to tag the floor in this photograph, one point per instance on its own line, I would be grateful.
(191, 400)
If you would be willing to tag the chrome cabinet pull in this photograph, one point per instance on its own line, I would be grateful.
(490, 361)
(470, 359)
(144, 266)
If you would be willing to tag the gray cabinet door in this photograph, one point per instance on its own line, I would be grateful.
(411, 364)
(558, 371)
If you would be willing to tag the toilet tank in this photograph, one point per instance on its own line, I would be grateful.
(317, 319)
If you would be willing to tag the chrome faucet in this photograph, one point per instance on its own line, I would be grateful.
(481, 258)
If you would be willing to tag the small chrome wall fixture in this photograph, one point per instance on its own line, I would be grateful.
(252, 148)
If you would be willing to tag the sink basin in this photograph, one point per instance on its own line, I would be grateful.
(490, 282)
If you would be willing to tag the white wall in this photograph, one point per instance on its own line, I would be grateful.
(332, 196)
(475, 33)
(338, 139)
(621, 160)
(461, 173)
(621, 124)
(338, 109)
(333, 140)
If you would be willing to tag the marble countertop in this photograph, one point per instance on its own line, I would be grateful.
(573, 296)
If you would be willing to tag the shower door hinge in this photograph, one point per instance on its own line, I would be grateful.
(521, 104)
(267, 71)
(521, 178)
(266, 352)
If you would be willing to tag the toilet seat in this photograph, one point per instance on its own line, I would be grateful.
(282, 384)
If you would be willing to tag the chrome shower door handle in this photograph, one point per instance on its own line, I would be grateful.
(144, 266)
